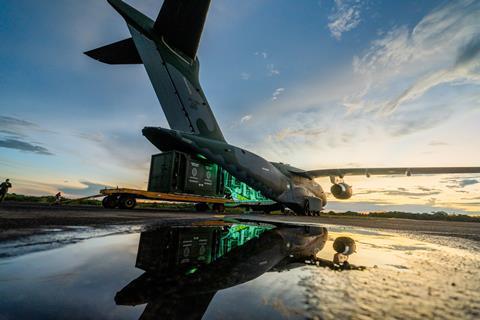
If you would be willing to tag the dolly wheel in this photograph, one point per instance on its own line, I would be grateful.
(219, 207)
(127, 202)
(110, 202)
(201, 207)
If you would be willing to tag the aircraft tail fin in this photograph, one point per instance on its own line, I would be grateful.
(167, 48)
(181, 22)
(121, 52)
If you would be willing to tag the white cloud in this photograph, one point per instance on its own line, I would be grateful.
(345, 17)
(277, 93)
(338, 117)
(246, 118)
(245, 76)
(403, 65)
(272, 70)
(262, 54)
(424, 84)
(302, 133)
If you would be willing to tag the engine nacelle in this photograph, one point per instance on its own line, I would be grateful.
(341, 191)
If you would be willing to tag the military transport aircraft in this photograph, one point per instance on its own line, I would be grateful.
(167, 47)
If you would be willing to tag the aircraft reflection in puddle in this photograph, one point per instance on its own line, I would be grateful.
(186, 265)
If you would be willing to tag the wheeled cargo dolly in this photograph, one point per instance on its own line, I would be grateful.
(126, 198)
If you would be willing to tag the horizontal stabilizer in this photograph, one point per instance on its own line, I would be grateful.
(180, 22)
(121, 52)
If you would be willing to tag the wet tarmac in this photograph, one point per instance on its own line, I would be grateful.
(226, 268)
(20, 220)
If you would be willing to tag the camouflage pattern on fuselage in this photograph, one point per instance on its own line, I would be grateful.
(274, 180)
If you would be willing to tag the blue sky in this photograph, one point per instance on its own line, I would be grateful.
(318, 84)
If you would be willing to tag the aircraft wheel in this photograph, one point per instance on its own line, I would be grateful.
(110, 202)
(219, 207)
(201, 207)
(127, 202)
(344, 245)
(306, 208)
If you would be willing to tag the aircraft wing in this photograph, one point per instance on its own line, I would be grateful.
(390, 171)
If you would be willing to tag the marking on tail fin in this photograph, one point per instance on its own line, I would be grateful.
(175, 52)
(184, 104)
(181, 23)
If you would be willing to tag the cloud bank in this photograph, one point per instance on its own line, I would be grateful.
(16, 133)
(24, 146)
(88, 188)
(407, 81)
(345, 17)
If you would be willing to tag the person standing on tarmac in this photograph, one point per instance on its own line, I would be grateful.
(4, 188)
(58, 198)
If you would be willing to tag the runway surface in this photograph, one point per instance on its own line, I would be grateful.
(24, 219)
(74, 261)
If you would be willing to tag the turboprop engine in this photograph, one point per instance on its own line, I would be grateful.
(341, 191)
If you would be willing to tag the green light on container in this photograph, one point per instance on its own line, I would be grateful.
(193, 270)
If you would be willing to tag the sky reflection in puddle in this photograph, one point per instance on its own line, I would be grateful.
(230, 270)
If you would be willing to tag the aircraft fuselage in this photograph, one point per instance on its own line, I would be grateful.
(276, 181)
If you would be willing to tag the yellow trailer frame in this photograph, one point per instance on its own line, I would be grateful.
(126, 198)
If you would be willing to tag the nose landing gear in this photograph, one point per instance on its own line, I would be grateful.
(312, 208)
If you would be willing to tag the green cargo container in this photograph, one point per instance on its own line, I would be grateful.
(167, 249)
(178, 172)
(179, 249)
(167, 172)
(202, 177)
(240, 191)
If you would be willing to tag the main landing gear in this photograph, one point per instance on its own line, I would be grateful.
(204, 207)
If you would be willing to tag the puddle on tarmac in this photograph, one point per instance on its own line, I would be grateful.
(51, 238)
(218, 270)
